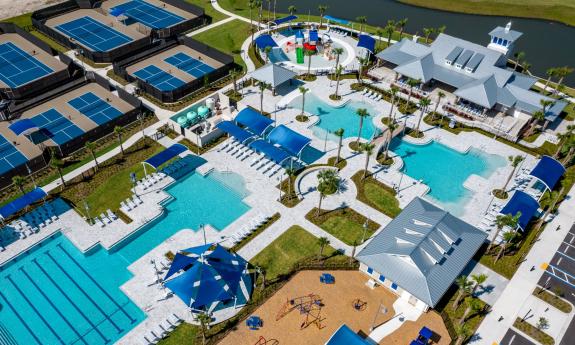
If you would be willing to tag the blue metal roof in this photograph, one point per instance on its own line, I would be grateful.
(264, 41)
(367, 42)
(345, 336)
(235, 131)
(23, 201)
(23, 126)
(274, 153)
(291, 141)
(524, 203)
(337, 20)
(254, 120)
(166, 155)
(548, 171)
(313, 36)
(284, 19)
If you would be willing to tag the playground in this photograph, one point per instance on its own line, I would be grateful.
(308, 311)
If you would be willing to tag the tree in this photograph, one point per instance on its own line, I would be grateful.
(551, 72)
(321, 9)
(519, 56)
(290, 172)
(569, 150)
(389, 30)
(339, 133)
(545, 104)
(564, 137)
(292, 9)
(379, 32)
(362, 20)
(118, 130)
(526, 67)
(464, 287)
(562, 72)
(542, 323)
(427, 32)
(402, 24)
(90, 146)
(57, 164)
(392, 126)
(267, 51)
(337, 52)
(514, 161)
(463, 332)
(508, 237)
(535, 119)
(440, 95)
(262, 272)
(204, 319)
(328, 182)
(338, 71)
(478, 279)
(366, 148)
(361, 113)
(473, 305)
(309, 54)
(362, 62)
(235, 74)
(322, 242)
(501, 221)
(19, 181)
(423, 104)
(393, 91)
(262, 87)
(411, 83)
(440, 29)
(303, 91)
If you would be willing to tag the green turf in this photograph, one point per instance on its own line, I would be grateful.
(208, 9)
(345, 224)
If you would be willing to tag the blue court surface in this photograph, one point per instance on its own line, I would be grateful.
(93, 34)
(17, 67)
(95, 108)
(10, 157)
(160, 79)
(55, 126)
(151, 16)
(188, 64)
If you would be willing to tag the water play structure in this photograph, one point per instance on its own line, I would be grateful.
(308, 40)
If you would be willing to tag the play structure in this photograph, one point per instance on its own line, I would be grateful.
(264, 341)
(309, 305)
(359, 305)
(327, 278)
(254, 323)
(309, 41)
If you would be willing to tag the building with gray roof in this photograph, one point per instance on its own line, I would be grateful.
(420, 253)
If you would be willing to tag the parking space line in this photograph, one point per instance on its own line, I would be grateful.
(566, 256)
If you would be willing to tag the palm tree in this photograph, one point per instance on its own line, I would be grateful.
(423, 104)
(508, 237)
(569, 150)
(379, 32)
(321, 9)
(292, 9)
(57, 164)
(393, 91)
(262, 87)
(526, 67)
(267, 51)
(118, 130)
(389, 30)
(234, 73)
(362, 62)
(204, 319)
(478, 279)
(19, 181)
(367, 148)
(328, 182)
(362, 20)
(90, 146)
(535, 119)
(411, 83)
(463, 332)
(253, 4)
(440, 95)
(551, 72)
(502, 221)
(473, 305)
(339, 133)
(392, 126)
(518, 57)
(563, 138)
(309, 54)
(401, 24)
(290, 172)
(427, 32)
(440, 29)
(362, 113)
(514, 161)
(464, 287)
(322, 242)
(337, 52)
(545, 103)
(303, 91)
(562, 73)
(338, 71)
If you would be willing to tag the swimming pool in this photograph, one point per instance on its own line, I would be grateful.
(445, 170)
(57, 295)
(333, 118)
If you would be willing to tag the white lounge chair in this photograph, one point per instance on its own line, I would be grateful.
(111, 214)
(99, 222)
(125, 207)
(136, 200)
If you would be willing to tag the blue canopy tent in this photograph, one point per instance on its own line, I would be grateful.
(524, 203)
(345, 336)
(23, 126)
(548, 171)
(367, 42)
(160, 158)
(264, 41)
(336, 20)
(208, 279)
(22, 202)
(253, 120)
(288, 139)
(274, 153)
(284, 20)
(232, 129)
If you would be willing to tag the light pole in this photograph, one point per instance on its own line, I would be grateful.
(134, 179)
(87, 208)
(365, 225)
(204, 231)
(325, 140)
(403, 171)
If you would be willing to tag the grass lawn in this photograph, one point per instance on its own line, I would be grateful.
(376, 194)
(208, 9)
(184, 334)
(451, 317)
(291, 247)
(228, 38)
(559, 10)
(345, 224)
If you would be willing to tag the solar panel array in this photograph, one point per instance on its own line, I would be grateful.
(188, 64)
(159, 78)
(95, 108)
(57, 127)
(10, 157)
(93, 34)
(18, 67)
(152, 16)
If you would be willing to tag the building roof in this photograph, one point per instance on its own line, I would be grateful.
(480, 91)
(523, 203)
(501, 32)
(273, 74)
(423, 250)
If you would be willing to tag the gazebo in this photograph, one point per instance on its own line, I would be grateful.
(273, 75)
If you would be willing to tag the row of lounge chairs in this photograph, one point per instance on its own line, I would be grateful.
(372, 94)
(174, 167)
(248, 228)
(259, 160)
(31, 222)
(339, 32)
(162, 330)
(105, 218)
(130, 203)
(488, 221)
(150, 180)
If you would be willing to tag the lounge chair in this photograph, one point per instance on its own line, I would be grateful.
(111, 214)
(257, 159)
(125, 207)
(148, 341)
(136, 200)
(105, 218)
(99, 222)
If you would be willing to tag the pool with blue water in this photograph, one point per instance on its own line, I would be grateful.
(445, 170)
(55, 294)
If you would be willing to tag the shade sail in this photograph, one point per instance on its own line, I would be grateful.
(548, 171)
(367, 42)
(232, 129)
(524, 203)
(284, 19)
(166, 155)
(264, 41)
(288, 139)
(180, 262)
(336, 20)
(23, 126)
(275, 154)
(198, 250)
(25, 200)
(253, 120)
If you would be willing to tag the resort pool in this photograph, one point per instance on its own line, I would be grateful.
(445, 170)
(333, 118)
(54, 294)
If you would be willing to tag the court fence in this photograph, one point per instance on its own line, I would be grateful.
(181, 92)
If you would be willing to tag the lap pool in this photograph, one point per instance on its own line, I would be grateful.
(445, 170)
(54, 294)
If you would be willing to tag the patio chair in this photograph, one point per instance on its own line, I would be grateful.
(111, 214)
(104, 218)
(125, 207)
(99, 222)
(257, 159)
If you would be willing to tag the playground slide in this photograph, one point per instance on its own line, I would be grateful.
(299, 54)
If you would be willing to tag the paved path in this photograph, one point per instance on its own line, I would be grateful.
(211, 26)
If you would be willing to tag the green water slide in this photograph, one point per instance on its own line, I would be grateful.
(299, 55)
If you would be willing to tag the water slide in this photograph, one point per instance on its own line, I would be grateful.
(299, 54)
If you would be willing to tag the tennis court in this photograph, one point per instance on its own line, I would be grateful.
(10, 157)
(160, 79)
(152, 16)
(94, 35)
(56, 127)
(188, 64)
(95, 108)
(18, 68)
